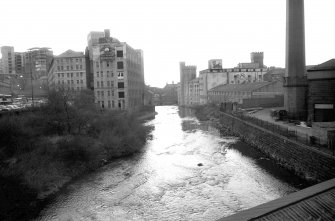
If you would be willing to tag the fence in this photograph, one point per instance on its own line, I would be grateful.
(289, 133)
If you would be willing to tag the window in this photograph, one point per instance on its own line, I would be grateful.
(71, 74)
(68, 74)
(119, 54)
(120, 75)
(72, 82)
(113, 104)
(109, 104)
(120, 84)
(98, 84)
(81, 67)
(98, 92)
(77, 74)
(59, 75)
(120, 65)
(61, 67)
(108, 93)
(97, 74)
(77, 59)
(68, 81)
(107, 83)
(62, 75)
(77, 81)
(67, 67)
(102, 94)
(81, 74)
(107, 64)
(77, 66)
(121, 94)
(112, 93)
(58, 68)
(102, 84)
(71, 67)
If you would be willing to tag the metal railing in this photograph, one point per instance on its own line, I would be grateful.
(289, 133)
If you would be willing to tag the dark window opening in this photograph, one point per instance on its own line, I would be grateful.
(119, 54)
(120, 65)
(120, 84)
(121, 94)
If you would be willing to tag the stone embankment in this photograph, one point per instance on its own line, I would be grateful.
(305, 161)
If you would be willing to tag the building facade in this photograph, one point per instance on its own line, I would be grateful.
(259, 94)
(321, 102)
(8, 60)
(68, 71)
(187, 73)
(118, 74)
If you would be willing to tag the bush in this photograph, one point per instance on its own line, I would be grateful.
(12, 136)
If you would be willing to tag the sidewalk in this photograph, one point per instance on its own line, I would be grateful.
(265, 114)
(303, 134)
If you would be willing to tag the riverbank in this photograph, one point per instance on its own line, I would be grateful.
(43, 150)
(304, 161)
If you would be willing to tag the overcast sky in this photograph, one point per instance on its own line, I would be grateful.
(170, 31)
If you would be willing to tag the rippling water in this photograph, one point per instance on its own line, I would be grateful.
(187, 172)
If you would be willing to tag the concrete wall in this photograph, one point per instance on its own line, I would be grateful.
(305, 161)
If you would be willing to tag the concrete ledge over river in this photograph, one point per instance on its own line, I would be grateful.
(307, 162)
(313, 203)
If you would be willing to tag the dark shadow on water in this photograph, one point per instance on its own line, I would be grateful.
(270, 165)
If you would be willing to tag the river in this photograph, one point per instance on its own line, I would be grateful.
(186, 172)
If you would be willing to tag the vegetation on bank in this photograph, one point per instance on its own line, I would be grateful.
(44, 148)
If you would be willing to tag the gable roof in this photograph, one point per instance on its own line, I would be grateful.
(70, 53)
(241, 87)
(328, 65)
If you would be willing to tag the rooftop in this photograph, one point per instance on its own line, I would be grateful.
(70, 53)
(313, 203)
(241, 87)
(328, 65)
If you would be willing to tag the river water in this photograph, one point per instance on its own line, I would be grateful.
(187, 172)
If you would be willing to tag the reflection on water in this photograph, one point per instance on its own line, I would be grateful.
(188, 172)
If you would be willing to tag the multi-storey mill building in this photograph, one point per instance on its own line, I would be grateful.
(68, 71)
(118, 73)
(187, 73)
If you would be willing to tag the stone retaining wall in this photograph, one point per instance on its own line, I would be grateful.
(307, 162)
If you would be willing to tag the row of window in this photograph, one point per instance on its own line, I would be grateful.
(101, 94)
(70, 60)
(121, 104)
(109, 74)
(71, 74)
(70, 67)
(120, 85)
(70, 82)
(119, 64)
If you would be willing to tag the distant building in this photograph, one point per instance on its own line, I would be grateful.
(194, 92)
(36, 62)
(256, 61)
(118, 73)
(187, 73)
(321, 101)
(208, 79)
(19, 64)
(68, 71)
(169, 94)
(260, 94)
(8, 60)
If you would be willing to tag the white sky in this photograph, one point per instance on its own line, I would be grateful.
(170, 31)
